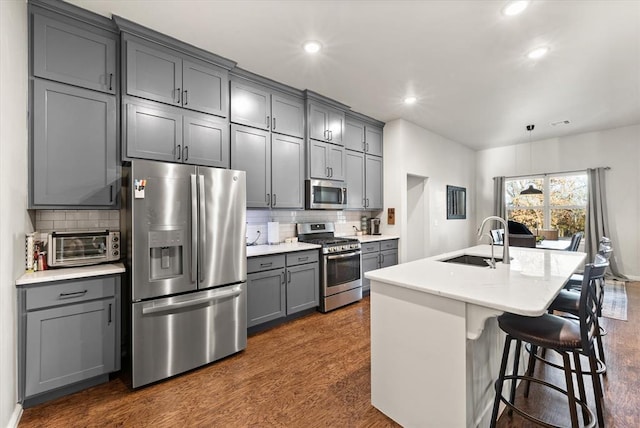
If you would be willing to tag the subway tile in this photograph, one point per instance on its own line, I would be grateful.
(88, 224)
(44, 225)
(53, 215)
(114, 214)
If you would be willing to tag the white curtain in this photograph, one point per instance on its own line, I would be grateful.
(597, 221)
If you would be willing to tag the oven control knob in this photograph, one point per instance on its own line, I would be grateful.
(115, 253)
(115, 246)
(115, 239)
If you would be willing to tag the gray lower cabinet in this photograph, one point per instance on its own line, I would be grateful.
(281, 285)
(74, 160)
(364, 181)
(69, 333)
(66, 53)
(158, 132)
(377, 255)
(167, 76)
(327, 161)
(274, 164)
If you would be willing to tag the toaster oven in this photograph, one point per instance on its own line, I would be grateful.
(68, 249)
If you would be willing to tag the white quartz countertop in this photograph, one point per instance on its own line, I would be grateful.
(373, 238)
(61, 274)
(263, 250)
(526, 286)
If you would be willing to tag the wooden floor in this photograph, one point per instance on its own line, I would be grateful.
(312, 372)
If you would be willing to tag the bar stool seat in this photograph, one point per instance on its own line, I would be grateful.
(546, 331)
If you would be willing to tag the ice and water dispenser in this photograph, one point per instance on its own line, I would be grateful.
(165, 254)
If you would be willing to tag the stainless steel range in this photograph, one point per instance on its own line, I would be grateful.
(341, 276)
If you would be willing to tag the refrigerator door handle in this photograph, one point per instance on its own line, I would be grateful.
(202, 226)
(194, 230)
(193, 302)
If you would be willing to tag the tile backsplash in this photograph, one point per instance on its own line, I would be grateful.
(64, 220)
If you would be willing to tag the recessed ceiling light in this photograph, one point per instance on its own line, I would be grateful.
(538, 53)
(410, 100)
(515, 7)
(312, 46)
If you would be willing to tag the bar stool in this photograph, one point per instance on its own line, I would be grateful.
(567, 337)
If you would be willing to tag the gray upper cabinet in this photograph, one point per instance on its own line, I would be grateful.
(159, 132)
(74, 147)
(327, 161)
(166, 76)
(373, 141)
(251, 152)
(287, 171)
(274, 166)
(259, 107)
(354, 135)
(355, 180)
(373, 183)
(325, 123)
(73, 55)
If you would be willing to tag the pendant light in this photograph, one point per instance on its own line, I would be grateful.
(530, 190)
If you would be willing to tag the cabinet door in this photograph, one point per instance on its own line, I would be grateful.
(74, 151)
(205, 88)
(336, 162)
(303, 287)
(388, 258)
(317, 122)
(335, 126)
(153, 131)
(251, 152)
(354, 135)
(154, 73)
(206, 141)
(72, 55)
(369, 261)
(287, 171)
(266, 299)
(373, 141)
(250, 105)
(287, 116)
(318, 156)
(354, 176)
(68, 344)
(373, 182)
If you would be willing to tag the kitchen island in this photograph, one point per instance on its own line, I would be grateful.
(435, 342)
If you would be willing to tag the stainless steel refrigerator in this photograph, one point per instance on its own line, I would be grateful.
(185, 230)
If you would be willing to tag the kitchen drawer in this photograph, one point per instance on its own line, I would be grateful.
(370, 247)
(391, 244)
(66, 292)
(258, 264)
(302, 257)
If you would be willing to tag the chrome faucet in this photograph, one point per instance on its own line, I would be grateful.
(505, 250)
(491, 262)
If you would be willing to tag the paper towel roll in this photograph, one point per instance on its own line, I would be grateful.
(273, 232)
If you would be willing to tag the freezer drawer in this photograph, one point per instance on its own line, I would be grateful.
(176, 334)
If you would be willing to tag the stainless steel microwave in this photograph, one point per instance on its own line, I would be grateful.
(325, 195)
(82, 248)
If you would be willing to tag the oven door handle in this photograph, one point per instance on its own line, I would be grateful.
(344, 256)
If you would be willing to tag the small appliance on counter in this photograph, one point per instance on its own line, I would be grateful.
(70, 249)
(374, 226)
(273, 233)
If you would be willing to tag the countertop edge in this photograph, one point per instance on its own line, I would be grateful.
(62, 274)
(265, 250)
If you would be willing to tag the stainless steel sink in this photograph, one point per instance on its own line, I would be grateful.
(467, 259)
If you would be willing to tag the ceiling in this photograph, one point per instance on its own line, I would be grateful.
(464, 61)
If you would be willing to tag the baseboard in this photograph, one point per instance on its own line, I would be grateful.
(633, 277)
(15, 417)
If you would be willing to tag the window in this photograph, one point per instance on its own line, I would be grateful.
(562, 206)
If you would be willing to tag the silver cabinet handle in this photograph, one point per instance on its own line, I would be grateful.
(282, 278)
(289, 276)
(364, 202)
(268, 199)
(185, 97)
(268, 122)
(274, 123)
(330, 135)
(326, 134)
(193, 302)
(111, 193)
(185, 153)
(178, 151)
(303, 259)
(274, 200)
(266, 264)
(109, 320)
(194, 229)
(330, 172)
(367, 147)
(111, 81)
(179, 92)
(72, 295)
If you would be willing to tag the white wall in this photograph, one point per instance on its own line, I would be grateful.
(617, 148)
(412, 150)
(14, 220)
